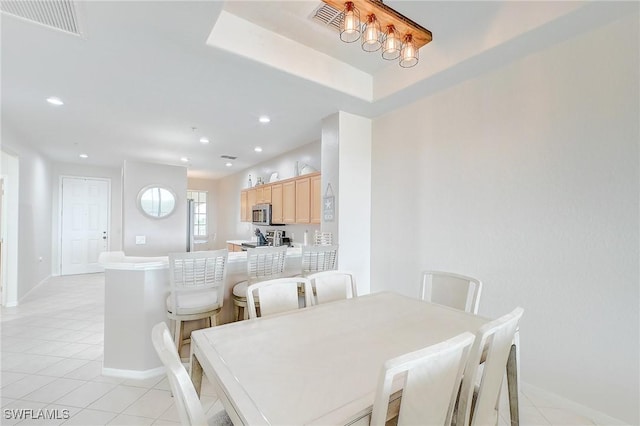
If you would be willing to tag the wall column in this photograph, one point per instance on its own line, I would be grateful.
(346, 166)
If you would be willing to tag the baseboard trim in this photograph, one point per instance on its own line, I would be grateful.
(133, 374)
(20, 300)
(558, 401)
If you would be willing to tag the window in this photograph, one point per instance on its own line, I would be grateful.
(199, 212)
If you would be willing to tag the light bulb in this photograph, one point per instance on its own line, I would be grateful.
(409, 53)
(392, 45)
(350, 25)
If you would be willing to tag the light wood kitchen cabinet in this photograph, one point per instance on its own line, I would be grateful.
(244, 209)
(233, 247)
(266, 194)
(295, 200)
(289, 201)
(316, 199)
(263, 194)
(276, 203)
(251, 201)
(303, 200)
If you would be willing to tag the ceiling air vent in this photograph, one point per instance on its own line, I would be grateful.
(57, 14)
(228, 157)
(328, 16)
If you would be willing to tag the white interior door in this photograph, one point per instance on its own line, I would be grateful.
(85, 224)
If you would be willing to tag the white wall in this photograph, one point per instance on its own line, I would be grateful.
(34, 222)
(354, 197)
(528, 178)
(229, 226)
(114, 174)
(10, 172)
(165, 235)
(330, 168)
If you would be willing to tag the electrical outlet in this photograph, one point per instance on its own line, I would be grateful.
(141, 239)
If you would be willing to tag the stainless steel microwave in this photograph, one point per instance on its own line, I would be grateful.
(261, 214)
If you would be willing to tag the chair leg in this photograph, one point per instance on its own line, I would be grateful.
(178, 334)
(512, 385)
(236, 312)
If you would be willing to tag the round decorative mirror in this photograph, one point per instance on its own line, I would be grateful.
(156, 201)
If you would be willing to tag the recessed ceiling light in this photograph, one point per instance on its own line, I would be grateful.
(257, 149)
(204, 140)
(184, 159)
(55, 101)
(264, 119)
(83, 156)
(228, 164)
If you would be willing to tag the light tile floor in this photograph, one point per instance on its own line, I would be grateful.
(52, 346)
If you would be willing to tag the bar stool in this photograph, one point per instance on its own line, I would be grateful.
(318, 258)
(263, 263)
(197, 288)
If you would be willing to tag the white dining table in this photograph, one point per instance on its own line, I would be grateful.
(317, 365)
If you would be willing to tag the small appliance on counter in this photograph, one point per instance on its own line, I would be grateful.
(262, 241)
(276, 238)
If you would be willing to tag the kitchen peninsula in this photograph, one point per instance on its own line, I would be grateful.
(136, 289)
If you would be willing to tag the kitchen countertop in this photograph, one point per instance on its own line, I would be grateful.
(239, 242)
(250, 243)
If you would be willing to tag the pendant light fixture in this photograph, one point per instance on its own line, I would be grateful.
(409, 53)
(392, 45)
(371, 35)
(350, 23)
(401, 39)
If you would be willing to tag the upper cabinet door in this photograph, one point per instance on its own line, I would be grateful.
(266, 194)
(251, 201)
(303, 200)
(316, 199)
(244, 216)
(276, 203)
(289, 202)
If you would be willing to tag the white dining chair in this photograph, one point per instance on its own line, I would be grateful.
(186, 399)
(329, 286)
(453, 290)
(196, 282)
(431, 384)
(278, 295)
(481, 387)
(263, 263)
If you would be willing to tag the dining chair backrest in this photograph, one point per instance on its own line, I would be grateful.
(431, 385)
(323, 238)
(264, 263)
(318, 258)
(454, 290)
(277, 295)
(329, 286)
(493, 343)
(200, 271)
(186, 399)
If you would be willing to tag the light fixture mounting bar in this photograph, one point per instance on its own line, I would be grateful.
(388, 16)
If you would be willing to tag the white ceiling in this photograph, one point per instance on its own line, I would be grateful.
(142, 76)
